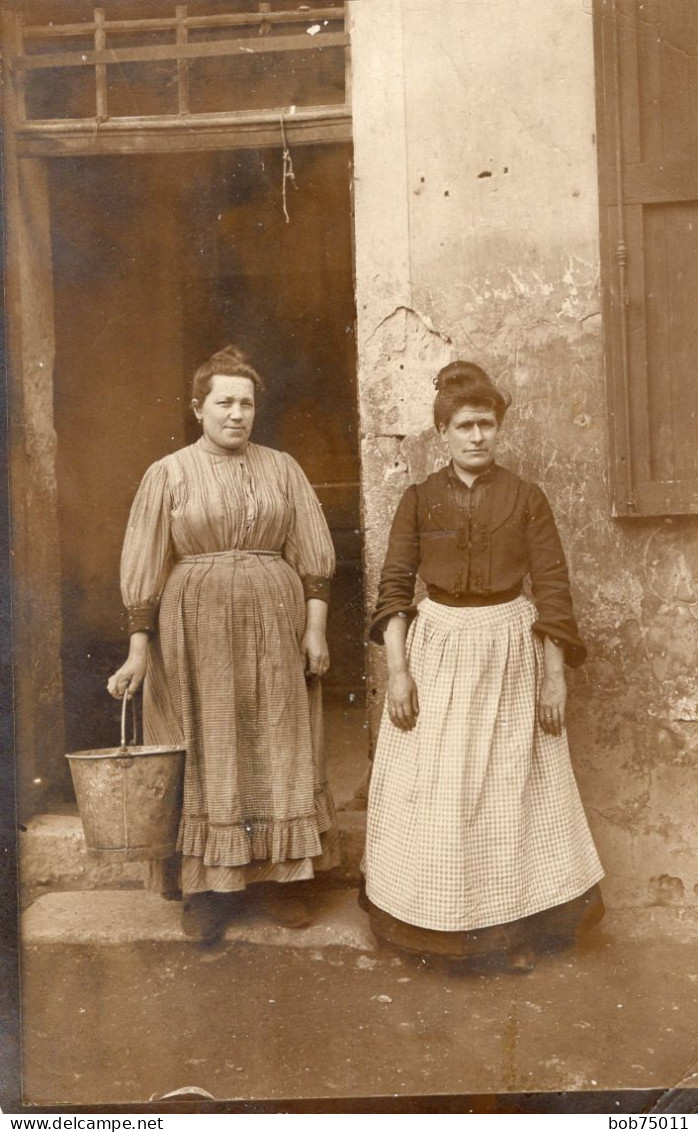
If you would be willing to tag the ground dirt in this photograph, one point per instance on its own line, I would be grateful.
(128, 1023)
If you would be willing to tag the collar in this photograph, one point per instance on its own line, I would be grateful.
(497, 503)
(220, 452)
(485, 477)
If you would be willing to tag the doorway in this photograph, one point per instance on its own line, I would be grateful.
(158, 261)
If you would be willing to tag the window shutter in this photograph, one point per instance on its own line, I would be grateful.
(647, 110)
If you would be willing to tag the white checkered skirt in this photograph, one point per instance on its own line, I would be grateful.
(474, 816)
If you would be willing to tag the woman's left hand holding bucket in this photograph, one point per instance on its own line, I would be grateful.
(127, 680)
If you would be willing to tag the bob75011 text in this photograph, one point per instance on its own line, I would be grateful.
(650, 1123)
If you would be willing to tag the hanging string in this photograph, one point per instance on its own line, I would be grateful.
(287, 171)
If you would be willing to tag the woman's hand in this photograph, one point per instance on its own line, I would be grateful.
(127, 680)
(402, 700)
(553, 690)
(315, 652)
(316, 657)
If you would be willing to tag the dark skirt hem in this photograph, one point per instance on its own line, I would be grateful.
(550, 930)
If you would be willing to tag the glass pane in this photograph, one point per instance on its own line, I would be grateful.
(66, 92)
(142, 88)
(241, 81)
(258, 82)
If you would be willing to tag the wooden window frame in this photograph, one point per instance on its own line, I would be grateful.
(105, 134)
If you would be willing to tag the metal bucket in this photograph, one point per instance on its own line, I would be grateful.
(130, 798)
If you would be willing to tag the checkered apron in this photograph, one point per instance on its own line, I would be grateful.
(474, 816)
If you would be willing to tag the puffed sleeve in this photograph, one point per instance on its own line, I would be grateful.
(146, 557)
(308, 547)
(550, 582)
(399, 574)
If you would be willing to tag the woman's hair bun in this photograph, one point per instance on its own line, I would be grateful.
(230, 362)
(455, 372)
(466, 383)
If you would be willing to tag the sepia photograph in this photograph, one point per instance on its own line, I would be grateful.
(352, 564)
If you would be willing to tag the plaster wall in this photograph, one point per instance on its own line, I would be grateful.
(477, 236)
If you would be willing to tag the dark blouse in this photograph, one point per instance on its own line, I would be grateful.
(474, 546)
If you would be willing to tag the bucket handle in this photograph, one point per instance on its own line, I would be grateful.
(124, 703)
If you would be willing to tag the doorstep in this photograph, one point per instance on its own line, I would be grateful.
(53, 857)
(107, 917)
(119, 916)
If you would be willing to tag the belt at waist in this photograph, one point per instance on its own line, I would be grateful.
(229, 555)
(443, 597)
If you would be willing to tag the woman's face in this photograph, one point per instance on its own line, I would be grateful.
(471, 435)
(227, 412)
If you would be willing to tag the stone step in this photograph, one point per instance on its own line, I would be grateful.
(108, 917)
(119, 916)
(53, 857)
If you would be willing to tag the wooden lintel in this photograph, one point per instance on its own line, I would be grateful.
(50, 127)
(178, 136)
(164, 23)
(173, 51)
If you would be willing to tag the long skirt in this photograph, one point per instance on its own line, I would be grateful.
(474, 816)
(225, 678)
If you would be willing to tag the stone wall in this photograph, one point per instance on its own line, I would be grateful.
(477, 236)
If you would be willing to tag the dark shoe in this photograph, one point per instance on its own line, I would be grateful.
(203, 917)
(235, 904)
(285, 907)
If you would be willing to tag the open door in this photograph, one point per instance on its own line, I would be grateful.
(162, 261)
(153, 216)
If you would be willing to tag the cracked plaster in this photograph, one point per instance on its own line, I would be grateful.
(505, 270)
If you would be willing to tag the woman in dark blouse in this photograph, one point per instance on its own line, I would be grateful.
(477, 844)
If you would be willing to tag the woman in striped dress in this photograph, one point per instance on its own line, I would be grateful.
(225, 576)
(477, 844)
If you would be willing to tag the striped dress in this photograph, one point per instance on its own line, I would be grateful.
(221, 553)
